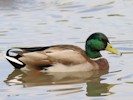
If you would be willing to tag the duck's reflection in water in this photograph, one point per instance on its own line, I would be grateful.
(96, 88)
(36, 78)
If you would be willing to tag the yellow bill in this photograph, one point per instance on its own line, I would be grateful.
(112, 50)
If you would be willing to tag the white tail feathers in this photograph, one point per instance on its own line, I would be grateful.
(13, 60)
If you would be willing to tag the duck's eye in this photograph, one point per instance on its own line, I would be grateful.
(101, 39)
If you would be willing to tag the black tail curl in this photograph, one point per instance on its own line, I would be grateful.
(14, 60)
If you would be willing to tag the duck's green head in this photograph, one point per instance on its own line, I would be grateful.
(97, 42)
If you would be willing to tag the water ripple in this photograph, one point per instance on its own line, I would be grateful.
(95, 9)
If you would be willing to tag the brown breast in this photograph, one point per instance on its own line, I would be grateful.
(102, 63)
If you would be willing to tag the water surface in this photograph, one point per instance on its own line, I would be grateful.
(29, 23)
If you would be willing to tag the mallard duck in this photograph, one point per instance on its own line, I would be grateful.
(63, 58)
